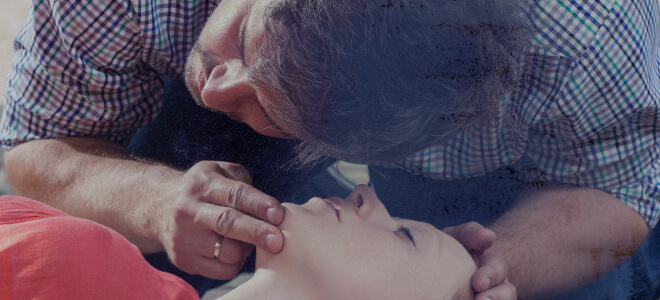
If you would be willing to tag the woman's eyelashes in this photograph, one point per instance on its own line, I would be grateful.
(406, 232)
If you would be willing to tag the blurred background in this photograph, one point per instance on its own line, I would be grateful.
(12, 15)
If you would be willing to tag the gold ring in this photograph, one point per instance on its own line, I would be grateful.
(217, 250)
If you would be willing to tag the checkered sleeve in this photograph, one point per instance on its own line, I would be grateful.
(78, 71)
(586, 109)
(601, 128)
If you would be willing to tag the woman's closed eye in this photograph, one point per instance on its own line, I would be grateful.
(405, 231)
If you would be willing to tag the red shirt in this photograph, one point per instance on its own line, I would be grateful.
(47, 254)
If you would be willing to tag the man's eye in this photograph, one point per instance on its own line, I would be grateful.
(406, 231)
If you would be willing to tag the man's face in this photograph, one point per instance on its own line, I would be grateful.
(216, 70)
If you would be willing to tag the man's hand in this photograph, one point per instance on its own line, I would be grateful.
(490, 280)
(215, 203)
(549, 238)
(154, 206)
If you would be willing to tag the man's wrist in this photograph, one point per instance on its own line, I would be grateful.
(158, 204)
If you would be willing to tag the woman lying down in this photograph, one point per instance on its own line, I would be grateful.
(334, 249)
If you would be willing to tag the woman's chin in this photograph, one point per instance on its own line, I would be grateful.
(270, 260)
(263, 257)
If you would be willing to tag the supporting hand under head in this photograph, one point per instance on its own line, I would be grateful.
(490, 280)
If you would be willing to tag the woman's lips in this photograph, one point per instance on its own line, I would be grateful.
(335, 204)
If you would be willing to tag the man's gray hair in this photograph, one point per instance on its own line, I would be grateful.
(377, 80)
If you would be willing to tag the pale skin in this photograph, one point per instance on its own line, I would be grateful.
(353, 249)
(185, 212)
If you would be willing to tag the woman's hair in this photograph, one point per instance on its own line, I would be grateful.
(377, 80)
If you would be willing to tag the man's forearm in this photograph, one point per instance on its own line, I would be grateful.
(558, 240)
(94, 179)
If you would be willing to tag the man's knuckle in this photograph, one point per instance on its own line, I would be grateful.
(192, 185)
(235, 195)
(194, 181)
(241, 173)
(225, 221)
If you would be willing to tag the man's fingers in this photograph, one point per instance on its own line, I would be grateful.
(492, 272)
(490, 279)
(202, 244)
(231, 223)
(504, 291)
(232, 251)
(472, 235)
(210, 268)
(245, 198)
(234, 172)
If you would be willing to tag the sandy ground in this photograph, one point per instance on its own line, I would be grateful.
(12, 15)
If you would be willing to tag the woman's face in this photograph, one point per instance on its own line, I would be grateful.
(353, 249)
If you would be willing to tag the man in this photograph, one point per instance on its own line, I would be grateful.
(96, 75)
(562, 120)
(563, 126)
(88, 76)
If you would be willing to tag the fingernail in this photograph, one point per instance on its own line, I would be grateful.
(271, 241)
(486, 284)
(475, 228)
(273, 215)
(489, 298)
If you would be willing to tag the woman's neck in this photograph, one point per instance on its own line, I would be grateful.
(270, 285)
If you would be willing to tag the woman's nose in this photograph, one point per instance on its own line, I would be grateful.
(364, 201)
(227, 87)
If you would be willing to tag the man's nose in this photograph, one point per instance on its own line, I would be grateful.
(227, 87)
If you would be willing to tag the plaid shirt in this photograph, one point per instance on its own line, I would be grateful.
(584, 111)
(94, 68)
